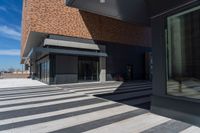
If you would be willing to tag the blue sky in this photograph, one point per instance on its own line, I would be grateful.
(10, 33)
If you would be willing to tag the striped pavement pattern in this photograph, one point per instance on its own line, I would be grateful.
(77, 108)
(135, 94)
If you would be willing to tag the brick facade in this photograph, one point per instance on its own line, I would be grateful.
(54, 17)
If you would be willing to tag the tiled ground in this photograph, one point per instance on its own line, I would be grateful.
(74, 109)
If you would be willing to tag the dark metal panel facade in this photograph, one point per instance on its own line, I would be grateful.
(180, 108)
(133, 11)
(138, 11)
(159, 56)
(156, 7)
(68, 52)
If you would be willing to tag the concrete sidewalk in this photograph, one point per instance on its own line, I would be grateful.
(16, 82)
(75, 109)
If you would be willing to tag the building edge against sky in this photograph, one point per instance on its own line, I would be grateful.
(64, 44)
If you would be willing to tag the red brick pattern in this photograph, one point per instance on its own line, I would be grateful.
(54, 17)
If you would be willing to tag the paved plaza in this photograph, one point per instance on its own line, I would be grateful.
(74, 108)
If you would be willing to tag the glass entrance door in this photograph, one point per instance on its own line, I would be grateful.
(88, 69)
(43, 71)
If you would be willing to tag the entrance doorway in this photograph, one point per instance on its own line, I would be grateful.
(43, 71)
(88, 68)
(129, 72)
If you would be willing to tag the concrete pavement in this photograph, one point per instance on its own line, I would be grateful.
(91, 108)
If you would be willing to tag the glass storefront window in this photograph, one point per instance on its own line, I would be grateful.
(183, 54)
(88, 69)
(43, 71)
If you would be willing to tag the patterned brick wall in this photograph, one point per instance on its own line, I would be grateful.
(54, 17)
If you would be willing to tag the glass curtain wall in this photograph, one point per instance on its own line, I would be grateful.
(183, 54)
(88, 69)
(43, 71)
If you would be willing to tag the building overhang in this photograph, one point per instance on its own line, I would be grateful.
(33, 53)
(38, 42)
(134, 11)
(72, 44)
(159, 7)
(34, 39)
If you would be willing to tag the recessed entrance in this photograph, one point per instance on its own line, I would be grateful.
(88, 69)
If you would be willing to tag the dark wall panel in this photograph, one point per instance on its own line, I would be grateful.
(183, 110)
(175, 107)
(158, 6)
(119, 56)
(66, 64)
(159, 56)
(133, 11)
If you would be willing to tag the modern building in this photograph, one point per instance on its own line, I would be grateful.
(84, 40)
(62, 44)
(176, 45)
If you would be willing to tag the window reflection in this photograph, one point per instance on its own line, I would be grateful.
(88, 69)
(43, 71)
(183, 54)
